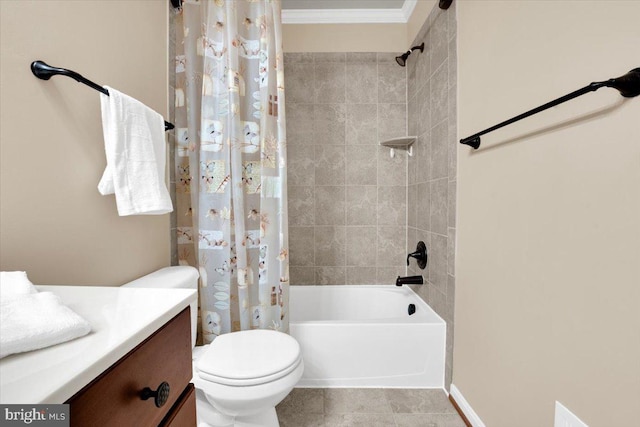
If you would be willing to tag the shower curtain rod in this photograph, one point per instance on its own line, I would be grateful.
(628, 86)
(44, 71)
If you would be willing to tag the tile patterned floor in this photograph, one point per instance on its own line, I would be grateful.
(339, 407)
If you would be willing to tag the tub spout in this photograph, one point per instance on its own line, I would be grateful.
(409, 280)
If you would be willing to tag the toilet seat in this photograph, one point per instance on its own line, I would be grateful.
(249, 358)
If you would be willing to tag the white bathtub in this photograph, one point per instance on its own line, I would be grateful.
(363, 336)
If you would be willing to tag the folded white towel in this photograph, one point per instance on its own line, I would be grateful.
(15, 283)
(135, 148)
(37, 320)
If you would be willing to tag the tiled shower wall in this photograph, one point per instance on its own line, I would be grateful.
(431, 199)
(347, 197)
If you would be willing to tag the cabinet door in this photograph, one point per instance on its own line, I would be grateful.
(114, 398)
(183, 413)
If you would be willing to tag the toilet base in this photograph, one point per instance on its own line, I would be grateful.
(208, 416)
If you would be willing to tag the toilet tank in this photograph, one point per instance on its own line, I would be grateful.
(179, 277)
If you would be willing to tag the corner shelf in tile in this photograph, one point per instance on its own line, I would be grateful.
(402, 143)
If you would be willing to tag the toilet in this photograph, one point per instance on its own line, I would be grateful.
(241, 376)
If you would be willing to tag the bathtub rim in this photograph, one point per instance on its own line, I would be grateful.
(413, 319)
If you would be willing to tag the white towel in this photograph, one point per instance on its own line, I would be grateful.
(135, 147)
(15, 283)
(32, 321)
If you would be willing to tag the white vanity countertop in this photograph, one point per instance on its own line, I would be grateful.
(120, 318)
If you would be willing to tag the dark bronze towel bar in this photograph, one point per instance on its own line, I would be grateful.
(44, 72)
(628, 86)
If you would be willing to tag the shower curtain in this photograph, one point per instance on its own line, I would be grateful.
(231, 182)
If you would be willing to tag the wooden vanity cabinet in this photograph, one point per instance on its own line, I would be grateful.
(114, 397)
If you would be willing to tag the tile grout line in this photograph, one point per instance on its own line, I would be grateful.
(377, 243)
(344, 142)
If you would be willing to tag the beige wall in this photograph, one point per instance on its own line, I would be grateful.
(418, 17)
(54, 223)
(548, 255)
(344, 37)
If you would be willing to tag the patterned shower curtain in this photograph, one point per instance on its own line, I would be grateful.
(231, 182)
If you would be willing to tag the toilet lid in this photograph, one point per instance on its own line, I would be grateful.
(249, 357)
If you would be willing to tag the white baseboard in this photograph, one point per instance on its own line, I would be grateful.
(464, 406)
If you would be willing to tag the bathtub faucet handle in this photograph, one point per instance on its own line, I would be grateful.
(420, 255)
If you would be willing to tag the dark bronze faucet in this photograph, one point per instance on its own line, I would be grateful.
(420, 255)
(409, 280)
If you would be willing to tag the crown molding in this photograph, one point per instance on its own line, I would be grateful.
(349, 16)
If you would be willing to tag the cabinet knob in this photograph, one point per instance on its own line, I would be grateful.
(160, 396)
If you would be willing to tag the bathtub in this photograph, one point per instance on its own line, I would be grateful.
(363, 336)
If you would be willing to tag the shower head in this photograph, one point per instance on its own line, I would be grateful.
(402, 59)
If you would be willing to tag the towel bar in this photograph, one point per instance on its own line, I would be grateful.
(44, 71)
(628, 86)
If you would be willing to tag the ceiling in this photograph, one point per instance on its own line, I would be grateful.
(346, 11)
